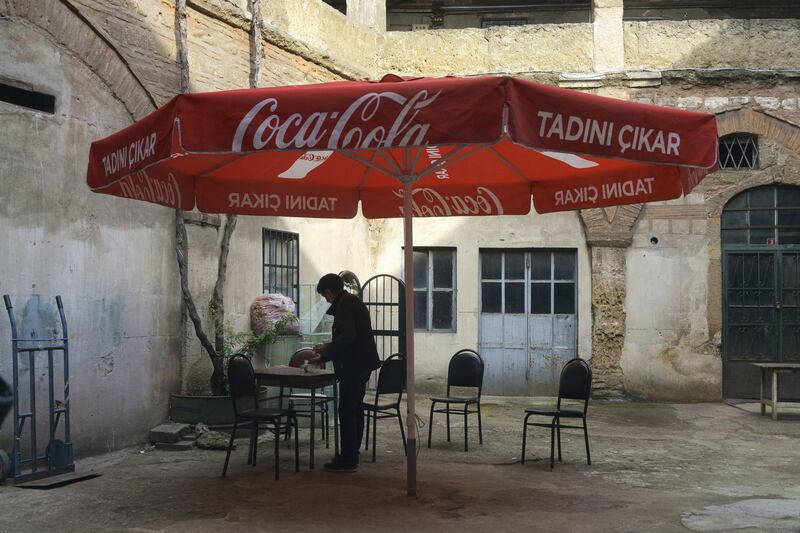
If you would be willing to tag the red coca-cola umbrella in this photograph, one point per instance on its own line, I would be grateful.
(404, 147)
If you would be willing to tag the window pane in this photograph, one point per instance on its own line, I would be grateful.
(789, 217)
(540, 268)
(490, 297)
(515, 297)
(789, 196)
(420, 269)
(442, 310)
(738, 202)
(443, 269)
(760, 236)
(762, 197)
(789, 236)
(490, 265)
(734, 236)
(564, 263)
(734, 219)
(762, 218)
(420, 310)
(564, 298)
(540, 298)
(515, 265)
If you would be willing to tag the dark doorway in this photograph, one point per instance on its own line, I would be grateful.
(761, 280)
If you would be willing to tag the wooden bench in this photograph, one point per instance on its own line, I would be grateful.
(769, 376)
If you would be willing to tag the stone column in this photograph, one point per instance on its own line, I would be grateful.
(367, 13)
(609, 45)
(608, 319)
(609, 232)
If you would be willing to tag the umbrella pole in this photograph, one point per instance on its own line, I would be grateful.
(411, 419)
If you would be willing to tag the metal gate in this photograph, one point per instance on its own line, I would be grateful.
(761, 317)
(385, 298)
(528, 319)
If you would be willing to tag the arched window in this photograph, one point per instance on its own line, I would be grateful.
(763, 215)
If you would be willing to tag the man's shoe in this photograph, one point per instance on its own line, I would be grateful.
(341, 466)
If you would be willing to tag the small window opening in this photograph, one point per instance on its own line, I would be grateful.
(26, 98)
(738, 152)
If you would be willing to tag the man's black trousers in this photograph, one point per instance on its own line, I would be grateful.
(351, 414)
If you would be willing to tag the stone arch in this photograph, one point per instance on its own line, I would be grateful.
(70, 29)
(719, 188)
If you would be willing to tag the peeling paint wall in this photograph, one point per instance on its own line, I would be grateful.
(104, 256)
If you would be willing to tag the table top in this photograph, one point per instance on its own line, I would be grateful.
(295, 377)
(778, 366)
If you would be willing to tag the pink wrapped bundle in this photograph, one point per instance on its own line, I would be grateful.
(267, 310)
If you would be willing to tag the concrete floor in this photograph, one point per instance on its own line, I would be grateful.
(656, 467)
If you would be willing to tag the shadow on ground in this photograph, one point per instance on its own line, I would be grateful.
(655, 467)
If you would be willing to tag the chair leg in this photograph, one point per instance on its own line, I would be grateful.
(277, 448)
(586, 439)
(374, 434)
(254, 439)
(430, 424)
(558, 437)
(402, 433)
(230, 447)
(524, 436)
(448, 422)
(480, 428)
(552, 441)
(296, 446)
(327, 425)
(466, 428)
(367, 415)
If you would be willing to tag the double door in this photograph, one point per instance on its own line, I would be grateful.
(761, 317)
(528, 319)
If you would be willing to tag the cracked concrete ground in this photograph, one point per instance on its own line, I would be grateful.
(655, 467)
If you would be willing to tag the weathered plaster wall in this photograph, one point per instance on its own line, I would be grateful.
(468, 235)
(108, 258)
(759, 44)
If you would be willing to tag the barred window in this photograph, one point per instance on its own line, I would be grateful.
(281, 258)
(435, 289)
(738, 152)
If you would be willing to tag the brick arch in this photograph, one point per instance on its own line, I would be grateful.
(69, 28)
(762, 124)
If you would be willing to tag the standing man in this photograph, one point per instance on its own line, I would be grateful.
(354, 354)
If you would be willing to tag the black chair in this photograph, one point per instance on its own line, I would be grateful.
(575, 383)
(391, 380)
(465, 370)
(244, 394)
(303, 399)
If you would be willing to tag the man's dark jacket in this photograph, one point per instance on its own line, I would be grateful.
(352, 348)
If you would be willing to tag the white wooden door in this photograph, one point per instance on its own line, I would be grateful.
(528, 320)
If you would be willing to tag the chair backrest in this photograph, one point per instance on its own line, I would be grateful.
(242, 381)
(301, 355)
(575, 382)
(392, 377)
(465, 370)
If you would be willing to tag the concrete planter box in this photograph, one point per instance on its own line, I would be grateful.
(210, 410)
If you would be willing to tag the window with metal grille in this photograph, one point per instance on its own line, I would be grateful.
(738, 152)
(435, 289)
(764, 215)
(281, 258)
(491, 23)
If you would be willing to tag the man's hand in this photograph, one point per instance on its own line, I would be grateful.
(314, 360)
(320, 348)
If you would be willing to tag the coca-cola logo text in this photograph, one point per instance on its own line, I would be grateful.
(427, 202)
(334, 130)
(141, 186)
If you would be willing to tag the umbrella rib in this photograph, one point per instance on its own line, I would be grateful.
(513, 168)
(366, 162)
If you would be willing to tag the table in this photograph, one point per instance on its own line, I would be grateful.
(312, 379)
(769, 374)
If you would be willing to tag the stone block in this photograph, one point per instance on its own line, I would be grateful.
(581, 80)
(169, 433)
(699, 227)
(643, 78)
(659, 227)
(768, 102)
(681, 227)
